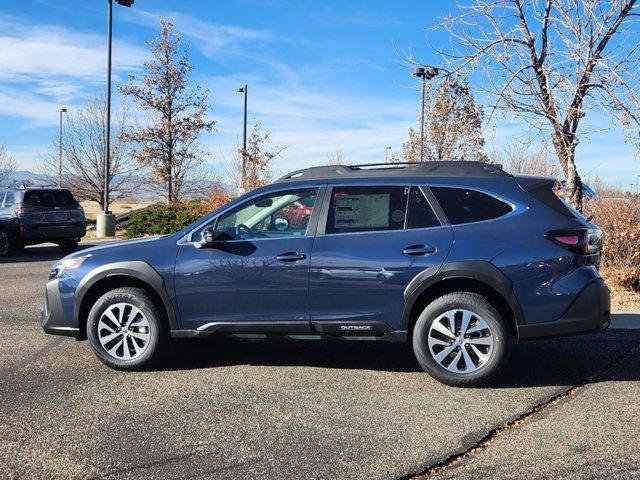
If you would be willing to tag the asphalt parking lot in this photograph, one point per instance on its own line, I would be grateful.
(341, 410)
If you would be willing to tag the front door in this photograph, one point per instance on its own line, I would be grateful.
(257, 272)
(376, 240)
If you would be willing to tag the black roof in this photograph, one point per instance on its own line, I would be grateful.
(423, 169)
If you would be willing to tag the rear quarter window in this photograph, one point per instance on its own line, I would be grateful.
(462, 205)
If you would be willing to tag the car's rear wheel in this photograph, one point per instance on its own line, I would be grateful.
(126, 329)
(460, 339)
(68, 246)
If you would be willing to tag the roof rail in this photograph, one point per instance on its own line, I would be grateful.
(443, 168)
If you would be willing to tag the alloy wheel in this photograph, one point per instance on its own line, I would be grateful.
(460, 341)
(123, 331)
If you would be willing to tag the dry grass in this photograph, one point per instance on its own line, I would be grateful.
(91, 209)
(623, 298)
(619, 220)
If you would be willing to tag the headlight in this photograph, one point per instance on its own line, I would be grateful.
(65, 265)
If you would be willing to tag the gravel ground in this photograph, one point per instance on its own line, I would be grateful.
(226, 409)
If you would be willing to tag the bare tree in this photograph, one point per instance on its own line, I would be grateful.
(7, 164)
(258, 158)
(521, 158)
(453, 129)
(168, 143)
(83, 147)
(551, 62)
(335, 158)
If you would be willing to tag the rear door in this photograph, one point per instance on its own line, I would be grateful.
(371, 243)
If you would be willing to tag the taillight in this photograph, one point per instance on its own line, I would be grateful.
(586, 241)
(21, 211)
(557, 189)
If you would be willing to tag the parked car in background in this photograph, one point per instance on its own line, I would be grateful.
(29, 216)
(459, 259)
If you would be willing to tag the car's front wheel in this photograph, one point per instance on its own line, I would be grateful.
(126, 329)
(460, 339)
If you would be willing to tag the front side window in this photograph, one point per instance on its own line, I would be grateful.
(9, 200)
(461, 205)
(281, 214)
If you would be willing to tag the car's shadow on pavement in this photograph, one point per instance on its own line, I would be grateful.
(564, 361)
(38, 254)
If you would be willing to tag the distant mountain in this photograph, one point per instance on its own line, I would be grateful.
(26, 178)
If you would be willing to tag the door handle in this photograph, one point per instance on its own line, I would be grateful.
(416, 250)
(291, 257)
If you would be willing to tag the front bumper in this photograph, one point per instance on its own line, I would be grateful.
(53, 319)
(590, 312)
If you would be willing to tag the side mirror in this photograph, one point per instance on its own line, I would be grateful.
(207, 238)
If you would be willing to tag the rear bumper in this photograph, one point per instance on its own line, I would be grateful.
(590, 312)
(39, 234)
(53, 318)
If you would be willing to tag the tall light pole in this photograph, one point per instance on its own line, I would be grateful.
(105, 225)
(62, 110)
(245, 91)
(423, 74)
(386, 154)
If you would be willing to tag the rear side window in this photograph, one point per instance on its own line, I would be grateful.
(465, 206)
(420, 214)
(367, 209)
(50, 199)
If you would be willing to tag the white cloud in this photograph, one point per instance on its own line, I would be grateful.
(44, 66)
(212, 39)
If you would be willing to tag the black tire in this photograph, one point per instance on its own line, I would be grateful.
(69, 246)
(157, 330)
(5, 245)
(498, 331)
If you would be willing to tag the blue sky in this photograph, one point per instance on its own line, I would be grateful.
(323, 75)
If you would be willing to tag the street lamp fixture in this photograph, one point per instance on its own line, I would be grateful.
(62, 110)
(424, 74)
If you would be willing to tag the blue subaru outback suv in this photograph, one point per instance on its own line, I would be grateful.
(459, 259)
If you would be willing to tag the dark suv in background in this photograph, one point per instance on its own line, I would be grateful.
(459, 259)
(29, 216)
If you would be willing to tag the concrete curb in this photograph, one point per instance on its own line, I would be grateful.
(625, 320)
